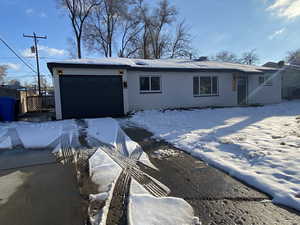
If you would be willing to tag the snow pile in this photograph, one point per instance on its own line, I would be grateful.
(148, 210)
(259, 145)
(104, 172)
(32, 134)
(165, 153)
(143, 207)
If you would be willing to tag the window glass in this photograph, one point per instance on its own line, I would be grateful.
(205, 85)
(196, 85)
(155, 83)
(268, 80)
(145, 83)
(261, 80)
(215, 85)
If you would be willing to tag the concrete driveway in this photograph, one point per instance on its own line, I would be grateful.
(35, 190)
(216, 197)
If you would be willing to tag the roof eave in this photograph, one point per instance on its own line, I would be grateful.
(52, 65)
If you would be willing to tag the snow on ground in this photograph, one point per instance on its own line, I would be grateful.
(35, 135)
(143, 207)
(259, 145)
(164, 153)
(147, 210)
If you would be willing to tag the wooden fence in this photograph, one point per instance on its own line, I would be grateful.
(40, 103)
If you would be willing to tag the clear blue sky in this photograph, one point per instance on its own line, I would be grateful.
(272, 27)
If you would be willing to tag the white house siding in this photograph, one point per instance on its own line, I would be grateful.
(261, 94)
(57, 98)
(177, 91)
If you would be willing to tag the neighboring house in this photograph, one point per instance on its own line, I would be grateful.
(290, 79)
(116, 86)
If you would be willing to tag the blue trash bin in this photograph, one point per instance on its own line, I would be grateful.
(7, 109)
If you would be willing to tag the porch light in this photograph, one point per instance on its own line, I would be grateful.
(60, 72)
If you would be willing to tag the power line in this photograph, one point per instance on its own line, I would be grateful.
(35, 38)
(16, 54)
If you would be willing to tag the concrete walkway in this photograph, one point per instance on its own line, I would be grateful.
(216, 197)
(37, 190)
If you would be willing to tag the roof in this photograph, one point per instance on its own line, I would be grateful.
(159, 64)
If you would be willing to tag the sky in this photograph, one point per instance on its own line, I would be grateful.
(271, 27)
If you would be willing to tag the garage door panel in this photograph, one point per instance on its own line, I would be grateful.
(91, 96)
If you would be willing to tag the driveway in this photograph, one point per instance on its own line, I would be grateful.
(216, 197)
(35, 190)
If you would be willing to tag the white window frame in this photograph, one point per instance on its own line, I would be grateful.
(150, 88)
(267, 80)
(211, 81)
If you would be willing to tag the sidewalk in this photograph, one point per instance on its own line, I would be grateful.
(37, 190)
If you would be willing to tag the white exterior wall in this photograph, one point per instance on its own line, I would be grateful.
(177, 91)
(261, 94)
(57, 98)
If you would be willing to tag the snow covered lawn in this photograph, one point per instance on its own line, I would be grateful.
(259, 145)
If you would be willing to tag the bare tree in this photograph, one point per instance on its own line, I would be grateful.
(163, 15)
(293, 57)
(130, 27)
(102, 25)
(71, 48)
(78, 11)
(3, 72)
(181, 45)
(250, 57)
(135, 29)
(226, 56)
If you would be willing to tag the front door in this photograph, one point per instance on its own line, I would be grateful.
(242, 90)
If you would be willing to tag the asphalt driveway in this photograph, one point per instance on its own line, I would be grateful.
(216, 197)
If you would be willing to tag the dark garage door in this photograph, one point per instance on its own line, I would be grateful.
(91, 96)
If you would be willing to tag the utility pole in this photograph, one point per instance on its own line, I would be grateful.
(35, 39)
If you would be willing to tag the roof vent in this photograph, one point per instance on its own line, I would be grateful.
(141, 63)
(202, 58)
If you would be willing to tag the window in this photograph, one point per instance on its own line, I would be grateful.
(205, 86)
(150, 84)
(265, 80)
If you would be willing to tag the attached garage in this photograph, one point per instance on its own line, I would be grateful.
(85, 96)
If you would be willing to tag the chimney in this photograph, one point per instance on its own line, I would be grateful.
(202, 58)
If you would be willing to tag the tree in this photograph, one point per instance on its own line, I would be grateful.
(294, 57)
(226, 56)
(130, 27)
(250, 57)
(164, 15)
(15, 83)
(102, 25)
(78, 11)
(181, 45)
(3, 72)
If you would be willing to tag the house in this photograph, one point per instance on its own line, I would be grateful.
(116, 86)
(290, 79)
